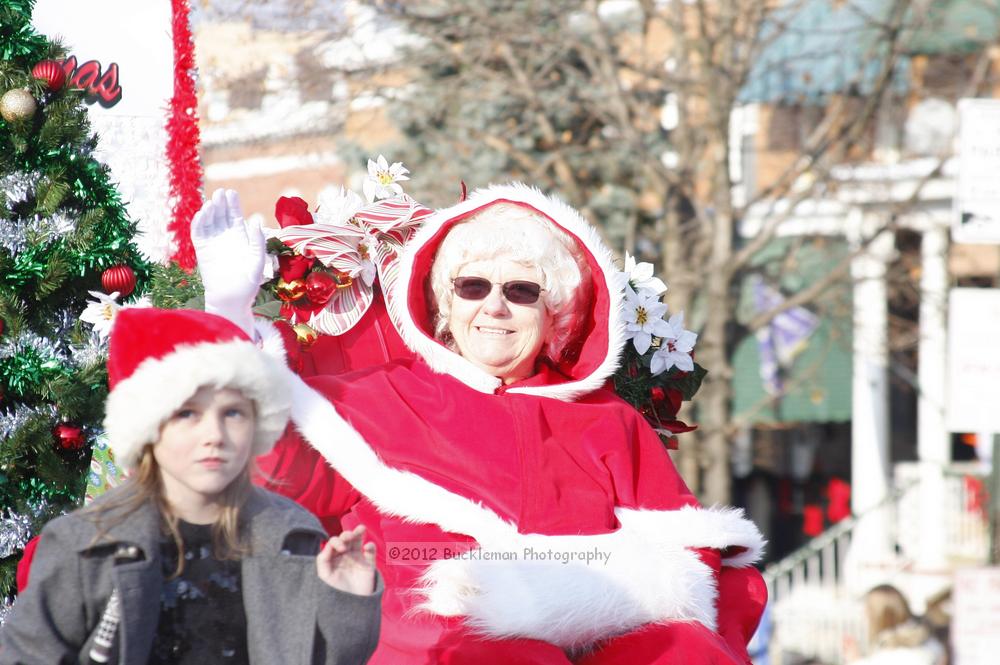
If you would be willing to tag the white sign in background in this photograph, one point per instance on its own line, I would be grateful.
(137, 37)
(975, 626)
(977, 196)
(973, 360)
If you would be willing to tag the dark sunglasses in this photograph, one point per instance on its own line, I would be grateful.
(518, 291)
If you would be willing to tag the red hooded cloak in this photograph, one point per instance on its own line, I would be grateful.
(537, 522)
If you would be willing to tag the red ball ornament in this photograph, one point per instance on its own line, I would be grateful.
(68, 437)
(320, 287)
(1, 327)
(118, 278)
(52, 73)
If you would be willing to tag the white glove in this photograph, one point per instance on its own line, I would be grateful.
(231, 256)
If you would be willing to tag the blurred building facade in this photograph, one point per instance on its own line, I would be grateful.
(916, 488)
(274, 115)
(912, 150)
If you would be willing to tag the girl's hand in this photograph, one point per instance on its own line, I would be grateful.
(345, 564)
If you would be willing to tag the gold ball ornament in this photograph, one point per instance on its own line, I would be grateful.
(305, 335)
(342, 279)
(290, 291)
(17, 105)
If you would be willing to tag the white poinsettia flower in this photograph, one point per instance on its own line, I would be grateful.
(675, 348)
(336, 205)
(643, 317)
(101, 313)
(368, 272)
(641, 276)
(381, 181)
(366, 249)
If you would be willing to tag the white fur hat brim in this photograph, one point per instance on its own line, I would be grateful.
(140, 404)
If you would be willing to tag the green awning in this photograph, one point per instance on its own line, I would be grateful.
(956, 26)
(822, 47)
(818, 48)
(816, 383)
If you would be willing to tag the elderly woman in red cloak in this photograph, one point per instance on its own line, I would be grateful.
(522, 512)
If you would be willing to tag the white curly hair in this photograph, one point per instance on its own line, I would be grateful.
(516, 233)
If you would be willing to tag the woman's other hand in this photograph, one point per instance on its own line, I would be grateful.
(231, 256)
(348, 565)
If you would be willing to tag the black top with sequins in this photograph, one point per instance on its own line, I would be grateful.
(202, 620)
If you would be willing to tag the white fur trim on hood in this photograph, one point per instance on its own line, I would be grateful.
(444, 361)
(139, 404)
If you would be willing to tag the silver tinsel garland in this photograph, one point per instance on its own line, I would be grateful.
(63, 322)
(93, 350)
(18, 235)
(18, 187)
(75, 353)
(14, 419)
(44, 347)
(15, 532)
(6, 605)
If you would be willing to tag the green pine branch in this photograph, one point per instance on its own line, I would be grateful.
(172, 287)
(57, 271)
(50, 195)
(8, 575)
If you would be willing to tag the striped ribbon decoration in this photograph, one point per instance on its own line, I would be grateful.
(370, 240)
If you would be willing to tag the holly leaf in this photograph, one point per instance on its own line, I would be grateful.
(690, 382)
(275, 246)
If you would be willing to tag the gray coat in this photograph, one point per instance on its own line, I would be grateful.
(292, 616)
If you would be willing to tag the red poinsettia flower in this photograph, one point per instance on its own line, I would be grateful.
(675, 426)
(292, 211)
(666, 403)
(662, 410)
(293, 266)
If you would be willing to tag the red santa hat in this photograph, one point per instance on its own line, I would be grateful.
(159, 358)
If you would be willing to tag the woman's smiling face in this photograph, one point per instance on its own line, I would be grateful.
(500, 337)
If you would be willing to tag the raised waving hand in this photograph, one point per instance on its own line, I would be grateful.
(231, 256)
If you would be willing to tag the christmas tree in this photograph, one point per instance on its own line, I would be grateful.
(63, 232)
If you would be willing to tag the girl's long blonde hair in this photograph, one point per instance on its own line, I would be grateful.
(145, 485)
(891, 624)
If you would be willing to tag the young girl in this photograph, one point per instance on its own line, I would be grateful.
(895, 635)
(188, 562)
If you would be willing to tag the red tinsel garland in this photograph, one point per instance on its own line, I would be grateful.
(183, 138)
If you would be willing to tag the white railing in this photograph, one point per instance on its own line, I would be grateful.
(815, 623)
(966, 536)
(819, 563)
(813, 610)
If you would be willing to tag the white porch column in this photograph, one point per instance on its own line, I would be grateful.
(870, 464)
(933, 442)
